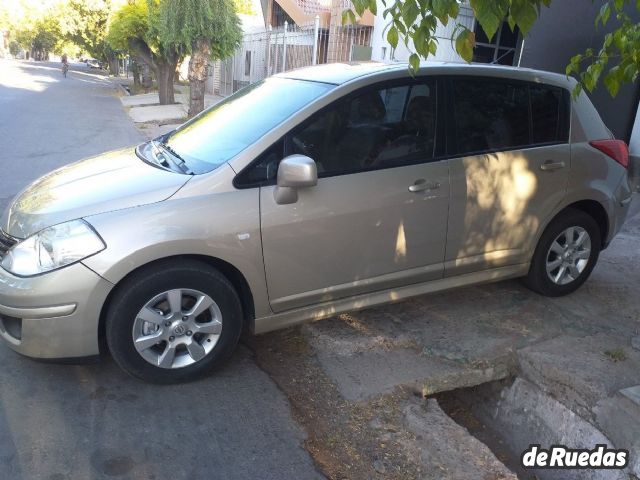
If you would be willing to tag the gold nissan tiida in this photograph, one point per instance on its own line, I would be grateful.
(311, 193)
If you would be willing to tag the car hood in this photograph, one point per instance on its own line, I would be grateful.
(108, 182)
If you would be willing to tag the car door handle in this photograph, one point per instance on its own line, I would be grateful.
(551, 165)
(421, 185)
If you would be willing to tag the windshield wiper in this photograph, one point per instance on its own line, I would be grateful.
(176, 159)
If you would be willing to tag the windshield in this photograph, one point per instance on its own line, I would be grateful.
(221, 132)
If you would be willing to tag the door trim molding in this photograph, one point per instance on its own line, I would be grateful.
(358, 302)
(358, 287)
(483, 261)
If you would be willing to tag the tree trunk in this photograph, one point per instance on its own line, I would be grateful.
(145, 76)
(135, 71)
(200, 55)
(166, 73)
(141, 73)
(112, 60)
(164, 68)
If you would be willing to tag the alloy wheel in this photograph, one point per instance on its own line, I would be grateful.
(568, 255)
(177, 328)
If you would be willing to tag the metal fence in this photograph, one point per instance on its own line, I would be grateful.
(277, 50)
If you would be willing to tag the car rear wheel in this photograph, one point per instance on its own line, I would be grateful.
(566, 254)
(173, 322)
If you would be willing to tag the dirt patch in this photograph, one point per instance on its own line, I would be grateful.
(346, 439)
(616, 354)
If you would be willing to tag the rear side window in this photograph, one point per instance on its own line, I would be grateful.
(490, 116)
(547, 114)
(493, 115)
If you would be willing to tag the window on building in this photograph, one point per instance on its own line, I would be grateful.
(501, 49)
(384, 53)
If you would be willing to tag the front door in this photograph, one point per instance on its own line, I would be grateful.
(377, 218)
(511, 169)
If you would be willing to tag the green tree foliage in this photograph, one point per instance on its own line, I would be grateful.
(185, 22)
(128, 23)
(39, 36)
(45, 35)
(14, 48)
(84, 23)
(204, 29)
(5, 17)
(618, 59)
(58, 26)
(244, 7)
(136, 27)
(414, 22)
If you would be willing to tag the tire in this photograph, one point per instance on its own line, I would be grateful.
(556, 235)
(161, 302)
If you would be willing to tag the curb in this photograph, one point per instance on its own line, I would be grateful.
(119, 86)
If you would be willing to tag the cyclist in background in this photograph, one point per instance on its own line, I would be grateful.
(65, 64)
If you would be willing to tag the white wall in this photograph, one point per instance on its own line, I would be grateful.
(446, 52)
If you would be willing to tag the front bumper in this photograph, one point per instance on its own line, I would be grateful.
(55, 315)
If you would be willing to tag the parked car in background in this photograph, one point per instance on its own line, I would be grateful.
(311, 193)
(93, 63)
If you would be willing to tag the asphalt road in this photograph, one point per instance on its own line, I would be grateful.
(93, 421)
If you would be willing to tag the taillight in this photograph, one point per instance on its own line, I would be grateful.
(616, 149)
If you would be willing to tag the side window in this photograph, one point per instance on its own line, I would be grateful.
(394, 99)
(489, 115)
(379, 128)
(264, 169)
(547, 114)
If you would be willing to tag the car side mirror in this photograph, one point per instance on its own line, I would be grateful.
(294, 172)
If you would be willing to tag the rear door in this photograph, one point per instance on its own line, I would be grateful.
(511, 157)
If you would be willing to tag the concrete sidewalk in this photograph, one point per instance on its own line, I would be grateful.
(146, 108)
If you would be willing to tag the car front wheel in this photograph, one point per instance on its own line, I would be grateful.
(173, 322)
(566, 254)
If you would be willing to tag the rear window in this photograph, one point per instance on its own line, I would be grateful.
(492, 115)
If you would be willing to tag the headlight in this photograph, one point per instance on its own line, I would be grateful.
(52, 248)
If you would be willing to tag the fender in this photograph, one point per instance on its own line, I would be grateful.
(590, 179)
(221, 225)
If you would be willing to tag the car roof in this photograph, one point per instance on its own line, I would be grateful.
(337, 73)
(340, 73)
